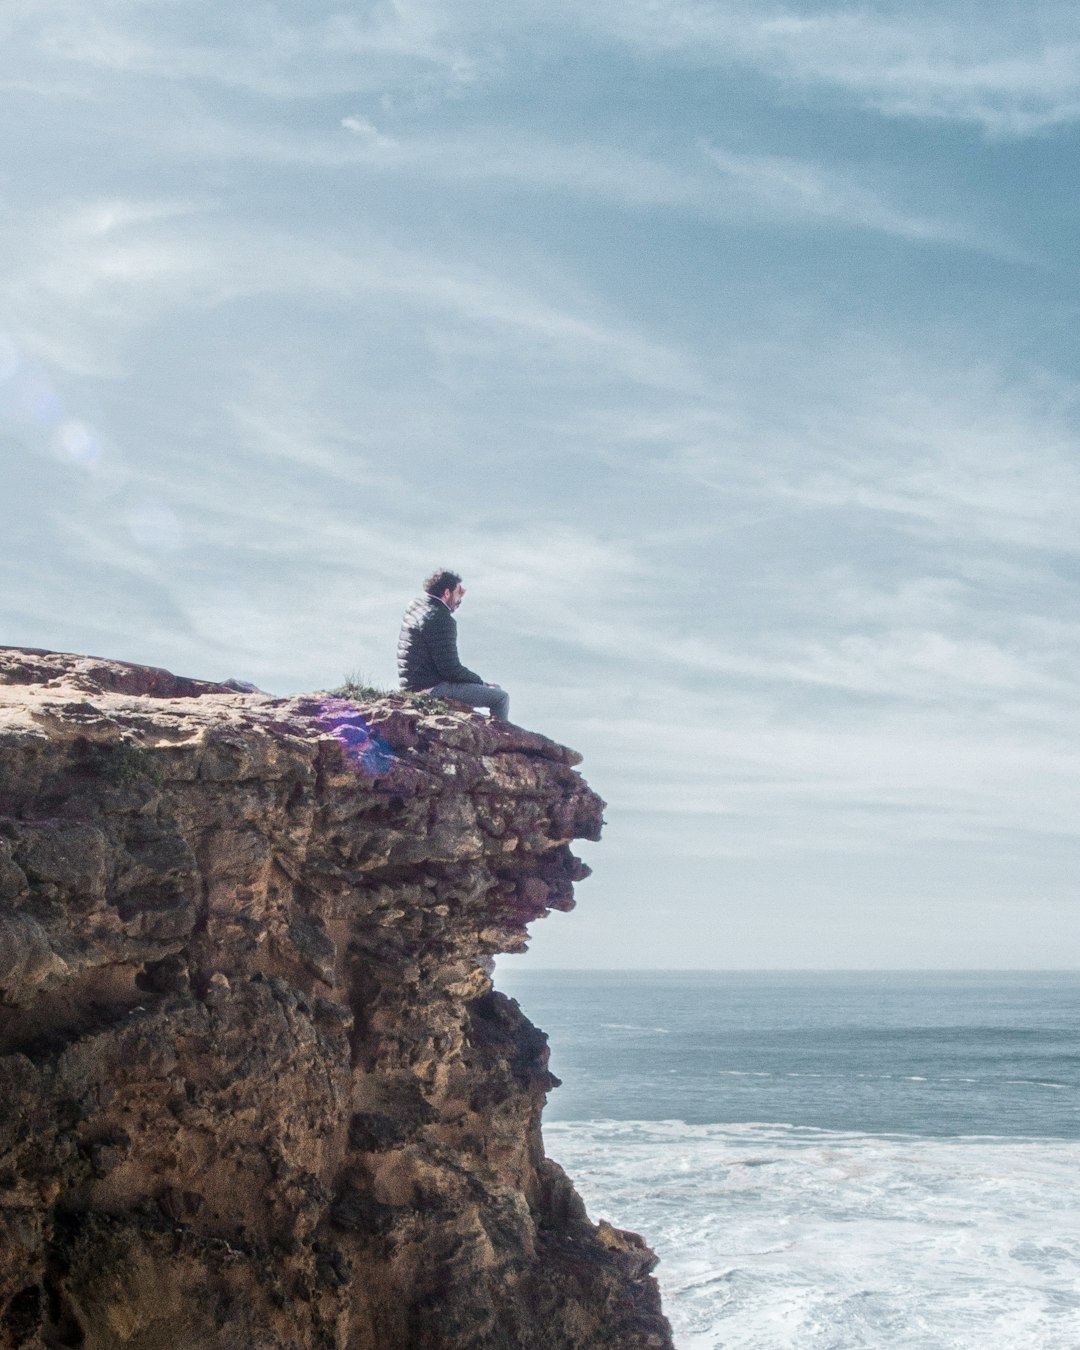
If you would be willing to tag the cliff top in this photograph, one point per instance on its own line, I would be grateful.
(39, 684)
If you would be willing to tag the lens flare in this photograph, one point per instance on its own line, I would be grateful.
(360, 746)
(28, 395)
(79, 443)
(40, 401)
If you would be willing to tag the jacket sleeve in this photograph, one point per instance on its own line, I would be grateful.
(442, 649)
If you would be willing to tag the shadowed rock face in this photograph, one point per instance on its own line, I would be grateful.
(256, 1088)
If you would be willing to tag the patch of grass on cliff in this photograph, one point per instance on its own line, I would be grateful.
(123, 762)
(356, 686)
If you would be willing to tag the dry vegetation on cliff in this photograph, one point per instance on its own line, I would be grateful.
(256, 1088)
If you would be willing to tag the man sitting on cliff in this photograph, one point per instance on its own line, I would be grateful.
(427, 650)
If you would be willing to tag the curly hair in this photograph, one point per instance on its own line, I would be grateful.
(441, 581)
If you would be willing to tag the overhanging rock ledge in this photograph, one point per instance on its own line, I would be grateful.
(256, 1088)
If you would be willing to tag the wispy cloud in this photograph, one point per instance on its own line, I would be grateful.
(335, 52)
(728, 777)
(1002, 72)
(775, 187)
(799, 191)
(264, 52)
(778, 188)
(932, 441)
(1008, 72)
(79, 275)
(118, 265)
(596, 171)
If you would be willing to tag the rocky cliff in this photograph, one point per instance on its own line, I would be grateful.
(256, 1088)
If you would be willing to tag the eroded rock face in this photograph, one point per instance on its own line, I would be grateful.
(256, 1088)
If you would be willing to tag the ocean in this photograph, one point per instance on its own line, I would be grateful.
(825, 1161)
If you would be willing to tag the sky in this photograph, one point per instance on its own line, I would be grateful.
(728, 351)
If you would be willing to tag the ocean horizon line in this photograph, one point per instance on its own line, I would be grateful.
(798, 970)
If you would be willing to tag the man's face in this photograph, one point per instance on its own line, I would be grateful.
(454, 598)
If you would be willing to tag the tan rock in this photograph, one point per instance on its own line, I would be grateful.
(256, 1088)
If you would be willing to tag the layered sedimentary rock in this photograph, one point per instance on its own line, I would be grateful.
(256, 1087)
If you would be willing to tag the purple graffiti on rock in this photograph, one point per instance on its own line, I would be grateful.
(360, 746)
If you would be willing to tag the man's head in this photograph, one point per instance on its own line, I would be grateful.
(447, 587)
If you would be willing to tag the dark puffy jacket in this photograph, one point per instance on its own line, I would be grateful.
(427, 648)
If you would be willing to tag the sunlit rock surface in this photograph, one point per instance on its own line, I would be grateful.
(256, 1088)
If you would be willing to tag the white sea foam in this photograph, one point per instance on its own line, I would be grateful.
(632, 1026)
(774, 1237)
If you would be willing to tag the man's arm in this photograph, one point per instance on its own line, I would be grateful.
(442, 649)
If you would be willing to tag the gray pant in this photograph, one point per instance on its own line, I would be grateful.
(477, 696)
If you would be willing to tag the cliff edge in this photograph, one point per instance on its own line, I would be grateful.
(256, 1087)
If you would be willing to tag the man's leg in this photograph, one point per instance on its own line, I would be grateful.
(477, 696)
